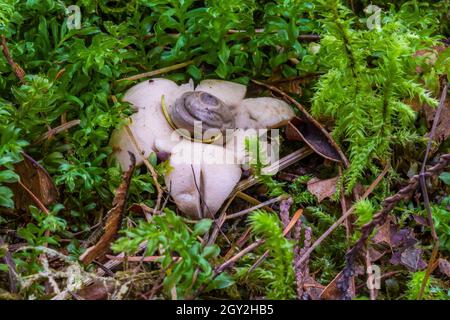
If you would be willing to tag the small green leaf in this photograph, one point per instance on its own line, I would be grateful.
(202, 227)
(8, 176)
(445, 176)
(6, 197)
(211, 252)
(153, 159)
(222, 281)
(194, 72)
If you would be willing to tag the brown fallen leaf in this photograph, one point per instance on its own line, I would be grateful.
(35, 178)
(412, 259)
(303, 129)
(444, 267)
(143, 209)
(99, 290)
(443, 127)
(375, 255)
(113, 218)
(312, 289)
(322, 189)
(19, 72)
(431, 55)
(292, 86)
(332, 292)
(383, 234)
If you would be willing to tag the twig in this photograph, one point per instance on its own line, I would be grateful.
(286, 232)
(34, 198)
(343, 203)
(138, 258)
(258, 262)
(243, 185)
(204, 205)
(259, 206)
(55, 131)
(241, 253)
(157, 72)
(283, 163)
(218, 224)
(102, 266)
(423, 187)
(293, 221)
(18, 71)
(12, 273)
(343, 217)
(252, 200)
(148, 165)
(388, 204)
(42, 207)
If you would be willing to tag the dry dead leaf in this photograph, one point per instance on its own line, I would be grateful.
(375, 255)
(114, 217)
(444, 267)
(383, 234)
(443, 127)
(304, 129)
(99, 290)
(412, 259)
(312, 288)
(292, 86)
(332, 292)
(431, 55)
(34, 177)
(322, 189)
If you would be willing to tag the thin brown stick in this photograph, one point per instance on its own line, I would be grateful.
(34, 198)
(42, 207)
(258, 262)
(244, 251)
(55, 131)
(283, 163)
(18, 71)
(286, 230)
(293, 221)
(343, 217)
(259, 206)
(148, 165)
(138, 258)
(379, 218)
(158, 72)
(343, 204)
(239, 255)
(426, 200)
(252, 200)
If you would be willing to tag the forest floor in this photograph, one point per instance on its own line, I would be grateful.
(360, 208)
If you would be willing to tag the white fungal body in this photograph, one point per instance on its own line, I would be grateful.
(200, 188)
(203, 175)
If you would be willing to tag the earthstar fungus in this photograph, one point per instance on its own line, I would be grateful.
(201, 179)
